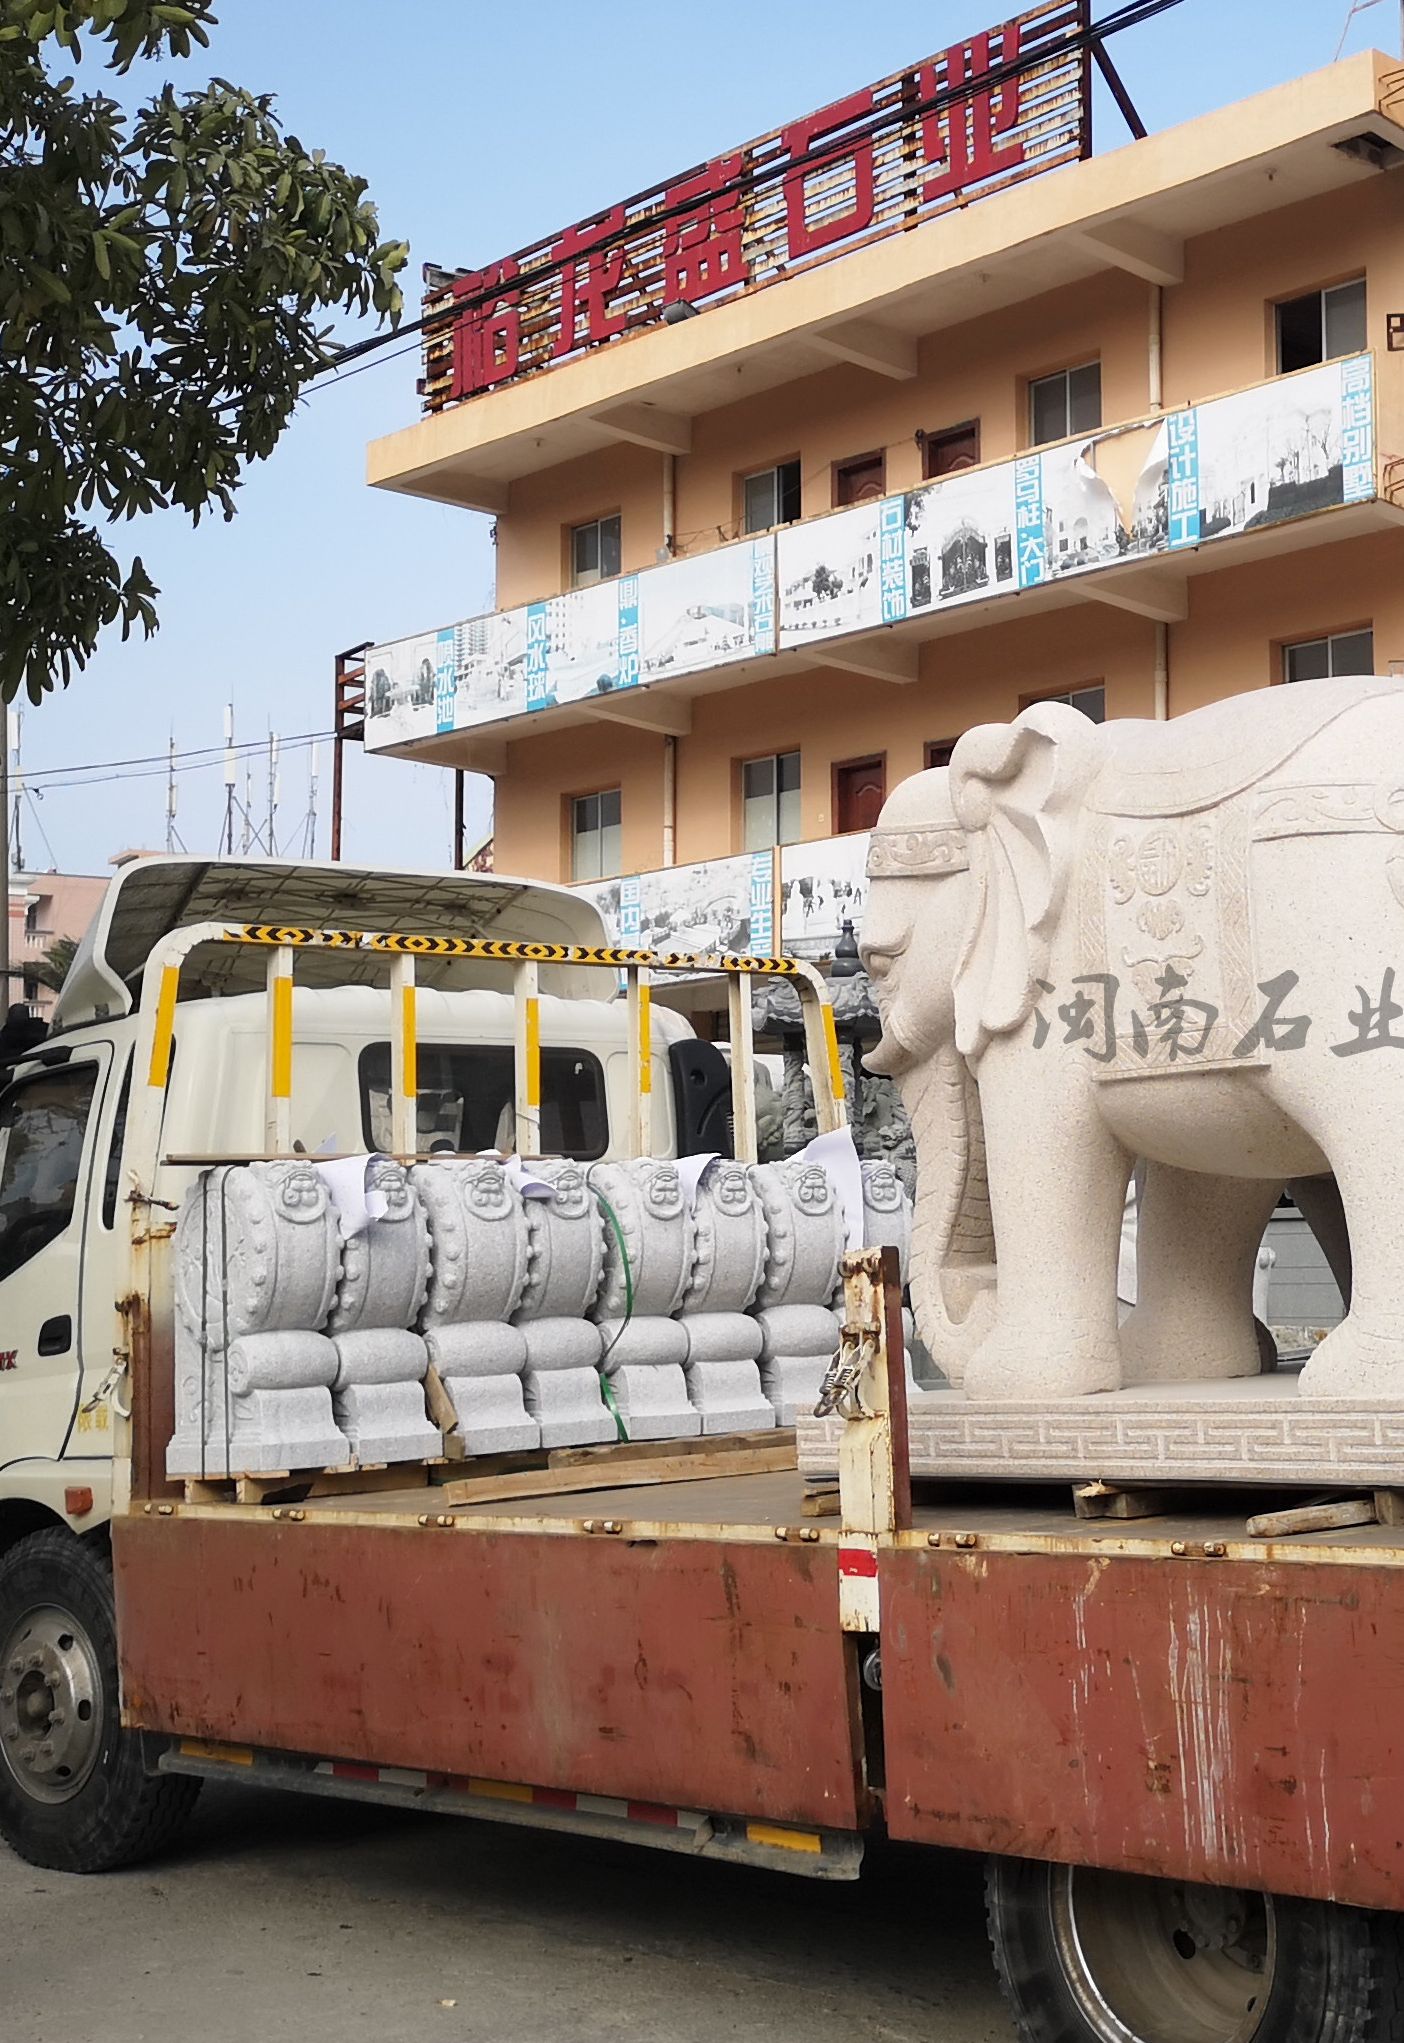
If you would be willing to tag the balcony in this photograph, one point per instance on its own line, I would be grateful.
(1122, 517)
(790, 900)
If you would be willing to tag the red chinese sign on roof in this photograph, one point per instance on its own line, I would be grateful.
(1007, 104)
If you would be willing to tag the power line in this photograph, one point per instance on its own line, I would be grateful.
(193, 752)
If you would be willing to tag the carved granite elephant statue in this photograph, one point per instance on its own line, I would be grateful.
(1171, 940)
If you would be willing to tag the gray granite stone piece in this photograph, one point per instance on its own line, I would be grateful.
(256, 1264)
(378, 1393)
(645, 1350)
(804, 1240)
(479, 1258)
(566, 1249)
(724, 1341)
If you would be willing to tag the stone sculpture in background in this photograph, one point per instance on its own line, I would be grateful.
(648, 1259)
(256, 1265)
(479, 1253)
(1176, 941)
(378, 1392)
(723, 1340)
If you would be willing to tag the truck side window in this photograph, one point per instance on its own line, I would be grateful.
(42, 1124)
(112, 1176)
(466, 1092)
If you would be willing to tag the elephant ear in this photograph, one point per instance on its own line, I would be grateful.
(1017, 790)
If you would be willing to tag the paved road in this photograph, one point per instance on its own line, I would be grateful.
(286, 1918)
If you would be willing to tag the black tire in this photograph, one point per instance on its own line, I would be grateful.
(74, 1793)
(1090, 1957)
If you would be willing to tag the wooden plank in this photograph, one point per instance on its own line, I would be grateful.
(1107, 1500)
(443, 1414)
(618, 1451)
(665, 1468)
(821, 1498)
(296, 1485)
(1312, 1518)
(1389, 1507)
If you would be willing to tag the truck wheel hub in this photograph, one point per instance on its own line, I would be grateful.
(1154, 1961)
(51, 1709)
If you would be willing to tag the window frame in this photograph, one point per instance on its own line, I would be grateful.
(930, 441)
(551, 1056)
(776, 795)
(574, 533)
(1329, 639)
(1321, 294)
(574, 834)
(46, 1074)
(1063, 376)
(779, 492)
(1069, 696)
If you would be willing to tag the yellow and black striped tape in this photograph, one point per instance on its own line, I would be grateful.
(500, 950)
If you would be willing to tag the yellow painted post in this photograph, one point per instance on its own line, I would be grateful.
(404, 1058)
(528, 1058)
(821, 1051)
(640, 1000)
(277, 1132)
(743, 1067)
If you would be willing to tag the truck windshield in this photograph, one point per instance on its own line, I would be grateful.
(465, 1099)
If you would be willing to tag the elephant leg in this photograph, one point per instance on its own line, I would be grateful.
(1364, 1355)
(1197, 1248)
(1057, 1187)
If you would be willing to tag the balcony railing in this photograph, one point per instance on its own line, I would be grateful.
(1265, 456)
(791, 900)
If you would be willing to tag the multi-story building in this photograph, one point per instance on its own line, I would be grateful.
(967, 417)
(45, 907)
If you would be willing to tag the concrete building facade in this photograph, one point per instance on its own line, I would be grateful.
(1193, 334)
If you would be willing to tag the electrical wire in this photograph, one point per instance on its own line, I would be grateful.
(246, 745)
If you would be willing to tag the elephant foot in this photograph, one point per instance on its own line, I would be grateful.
(1012, 1367)
(1160, 1347)
(1356, 1362)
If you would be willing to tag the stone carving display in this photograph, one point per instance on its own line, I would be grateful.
(256, 1265)
(566, 1246)
(648, 1259)
(1159, 940)
(723, 1340)
(804, 1240)
(378, 1392)
(479, 1252)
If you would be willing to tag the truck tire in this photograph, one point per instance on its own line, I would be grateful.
(74, 1793)
(1092, 1957)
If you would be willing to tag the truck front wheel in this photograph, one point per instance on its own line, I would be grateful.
(1093, 1957)
(74, 1793)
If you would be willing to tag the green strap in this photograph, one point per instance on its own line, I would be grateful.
(606, 1387)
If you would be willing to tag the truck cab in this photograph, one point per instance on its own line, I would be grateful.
(64, 1190)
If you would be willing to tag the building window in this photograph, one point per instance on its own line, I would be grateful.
(939, 750)
(771, 497)
(948, 452)
(1321, 326)
(1091, 701)
(1321, 659)
(860, 788)
(770, 801)
(594, 552)
(31, 918)
(1068, 403)
(595, 836)
(861, 480)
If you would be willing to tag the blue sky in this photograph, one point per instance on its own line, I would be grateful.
(481, 127)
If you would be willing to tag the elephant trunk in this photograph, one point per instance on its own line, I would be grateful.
(953, 1251)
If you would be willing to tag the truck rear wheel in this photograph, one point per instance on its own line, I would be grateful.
(74, 1793)
(1092, 1957)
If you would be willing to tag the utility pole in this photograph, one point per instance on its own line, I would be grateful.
(309, 846)
(230, 776)
(17, 794)
(170, 794)
(272, 792)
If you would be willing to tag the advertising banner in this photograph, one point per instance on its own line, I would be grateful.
(822, 885)
(722, 904)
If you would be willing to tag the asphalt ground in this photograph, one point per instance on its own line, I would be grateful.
(283, 1917)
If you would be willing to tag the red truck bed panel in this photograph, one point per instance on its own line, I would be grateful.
(1199, 1718)
(694, 1672)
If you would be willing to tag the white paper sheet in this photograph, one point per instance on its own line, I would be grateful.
(345, 1179)
(837, 1156)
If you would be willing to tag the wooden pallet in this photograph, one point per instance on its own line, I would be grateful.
(294, 1486)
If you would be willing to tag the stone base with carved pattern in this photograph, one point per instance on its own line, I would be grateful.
(1253, 1429)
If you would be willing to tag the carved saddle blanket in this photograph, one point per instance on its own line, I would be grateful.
(1165, 933)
